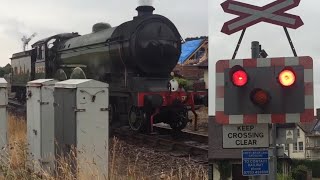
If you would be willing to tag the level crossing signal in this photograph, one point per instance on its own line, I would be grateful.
(264, 90)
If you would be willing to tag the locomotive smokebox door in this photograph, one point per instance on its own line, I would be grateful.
(82, 122)
(40, 123)
(3, 112)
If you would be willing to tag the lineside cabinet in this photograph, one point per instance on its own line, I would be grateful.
(81, 123)
(3, 112)
(40, 123)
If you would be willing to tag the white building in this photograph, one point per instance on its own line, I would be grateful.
(313, 143)
(307, 145)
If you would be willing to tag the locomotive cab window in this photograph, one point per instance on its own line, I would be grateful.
(51, 43)
(40, 52)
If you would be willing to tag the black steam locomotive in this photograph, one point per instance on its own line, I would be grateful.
(134, 58)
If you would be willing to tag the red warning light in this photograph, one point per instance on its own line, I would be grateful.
(287, 77)
(239, 78)
(260, 97)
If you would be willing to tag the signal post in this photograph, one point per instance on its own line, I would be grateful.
(258, 93)
(263, 91)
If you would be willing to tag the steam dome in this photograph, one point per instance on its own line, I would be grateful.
(100, 26)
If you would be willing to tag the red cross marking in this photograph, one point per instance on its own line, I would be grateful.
(249, 15)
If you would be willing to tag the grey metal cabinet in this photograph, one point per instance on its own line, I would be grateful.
(3, 113)
(40, 123)
(81, 121)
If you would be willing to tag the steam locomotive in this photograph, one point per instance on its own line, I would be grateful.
(134, 58)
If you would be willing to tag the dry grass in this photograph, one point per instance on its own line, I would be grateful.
(125, 162)
(17, 133)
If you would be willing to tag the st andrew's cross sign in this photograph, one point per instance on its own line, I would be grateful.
(249, 15)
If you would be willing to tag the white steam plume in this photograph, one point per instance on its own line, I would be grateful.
(146, 2)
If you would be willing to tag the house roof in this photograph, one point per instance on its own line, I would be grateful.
(317, 126)
(308, 127)
(202, 64)
(315, 130)
(188, 48)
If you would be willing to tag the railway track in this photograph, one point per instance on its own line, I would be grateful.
(16, 106)
(178, 144)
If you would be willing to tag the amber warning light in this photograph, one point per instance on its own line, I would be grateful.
(287, 77)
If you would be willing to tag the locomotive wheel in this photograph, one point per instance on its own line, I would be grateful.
(179, 120)
(137, 118)
(60, 75)
(78, 73)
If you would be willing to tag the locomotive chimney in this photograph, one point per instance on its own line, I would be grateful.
(145, 10)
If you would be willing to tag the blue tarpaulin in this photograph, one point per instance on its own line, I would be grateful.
(188, 48)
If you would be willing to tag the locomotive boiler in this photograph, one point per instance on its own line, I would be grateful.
(134, 58)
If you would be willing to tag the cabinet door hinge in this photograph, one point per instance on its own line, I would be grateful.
(104, 109)
(79, 110)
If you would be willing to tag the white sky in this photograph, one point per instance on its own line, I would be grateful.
(306, 40)
(49, 17)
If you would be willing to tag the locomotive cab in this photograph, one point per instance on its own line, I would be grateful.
(46, 51)
(40, 64)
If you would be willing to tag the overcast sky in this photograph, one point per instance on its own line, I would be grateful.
(306, 39)
(49, 17)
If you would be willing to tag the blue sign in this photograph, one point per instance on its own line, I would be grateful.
(255, 162)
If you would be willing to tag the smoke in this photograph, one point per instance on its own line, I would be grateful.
(146, 2)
